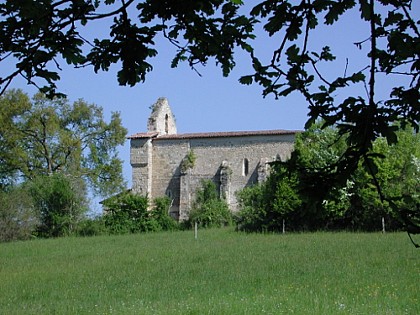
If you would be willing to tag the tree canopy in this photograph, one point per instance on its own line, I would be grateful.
(288, 192)
(47, 136)
(39, 35)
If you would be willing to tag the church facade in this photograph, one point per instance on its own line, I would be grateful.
(167, 163)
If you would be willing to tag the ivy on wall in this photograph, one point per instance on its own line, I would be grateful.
(188, 162)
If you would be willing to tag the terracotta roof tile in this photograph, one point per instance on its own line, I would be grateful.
(213, 134)
(143, 135)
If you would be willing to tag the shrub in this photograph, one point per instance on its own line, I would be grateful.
(251, 216)
(128, 213)
(209, 210)
(18, 220)
(161, 215)
(59, 204)
(264, 207)
(92, 227)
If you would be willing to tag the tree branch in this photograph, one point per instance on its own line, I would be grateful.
(373, 54)
(122, 9)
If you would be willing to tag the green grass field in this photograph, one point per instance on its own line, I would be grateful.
(223, 272)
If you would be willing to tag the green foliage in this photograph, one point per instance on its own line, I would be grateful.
(18, 219)
(252, 204)
(397, 177)
(59, 204)
(37, 35)
(208, 210)
(317, 152)
(160, 213)
(128, 213)
(45, 136)
(281, 189)
(188, 162)
(12, 105)
(265, 207)
(299, 192)
(91, 227)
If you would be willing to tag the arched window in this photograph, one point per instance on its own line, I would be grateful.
(245, 167)
(166, 124)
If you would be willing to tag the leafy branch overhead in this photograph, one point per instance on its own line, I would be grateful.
(39, 35)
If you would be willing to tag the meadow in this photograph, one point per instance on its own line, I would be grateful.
(222, 272)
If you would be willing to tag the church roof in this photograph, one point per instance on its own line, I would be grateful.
(143, 135)
(225, 134)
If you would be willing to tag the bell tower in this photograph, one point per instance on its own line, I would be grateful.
(161, 119)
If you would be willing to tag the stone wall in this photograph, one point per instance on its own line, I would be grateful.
(167, 157)
(141, 161)
(238, 159)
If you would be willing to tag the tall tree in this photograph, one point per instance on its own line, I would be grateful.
(398, 177)
(46, 136)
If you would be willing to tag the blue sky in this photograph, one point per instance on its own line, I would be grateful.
(210, 102)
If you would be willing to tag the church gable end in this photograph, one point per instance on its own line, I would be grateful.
(161, 120)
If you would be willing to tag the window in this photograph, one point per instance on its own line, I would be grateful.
(245, 167)
(166, 124)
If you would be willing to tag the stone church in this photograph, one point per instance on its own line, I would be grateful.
(167, 163)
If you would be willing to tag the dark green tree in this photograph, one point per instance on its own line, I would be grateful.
(287, 193)
(398, 174)
(269, 206)
(366, 196)
(252, 209)
(58, 202)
